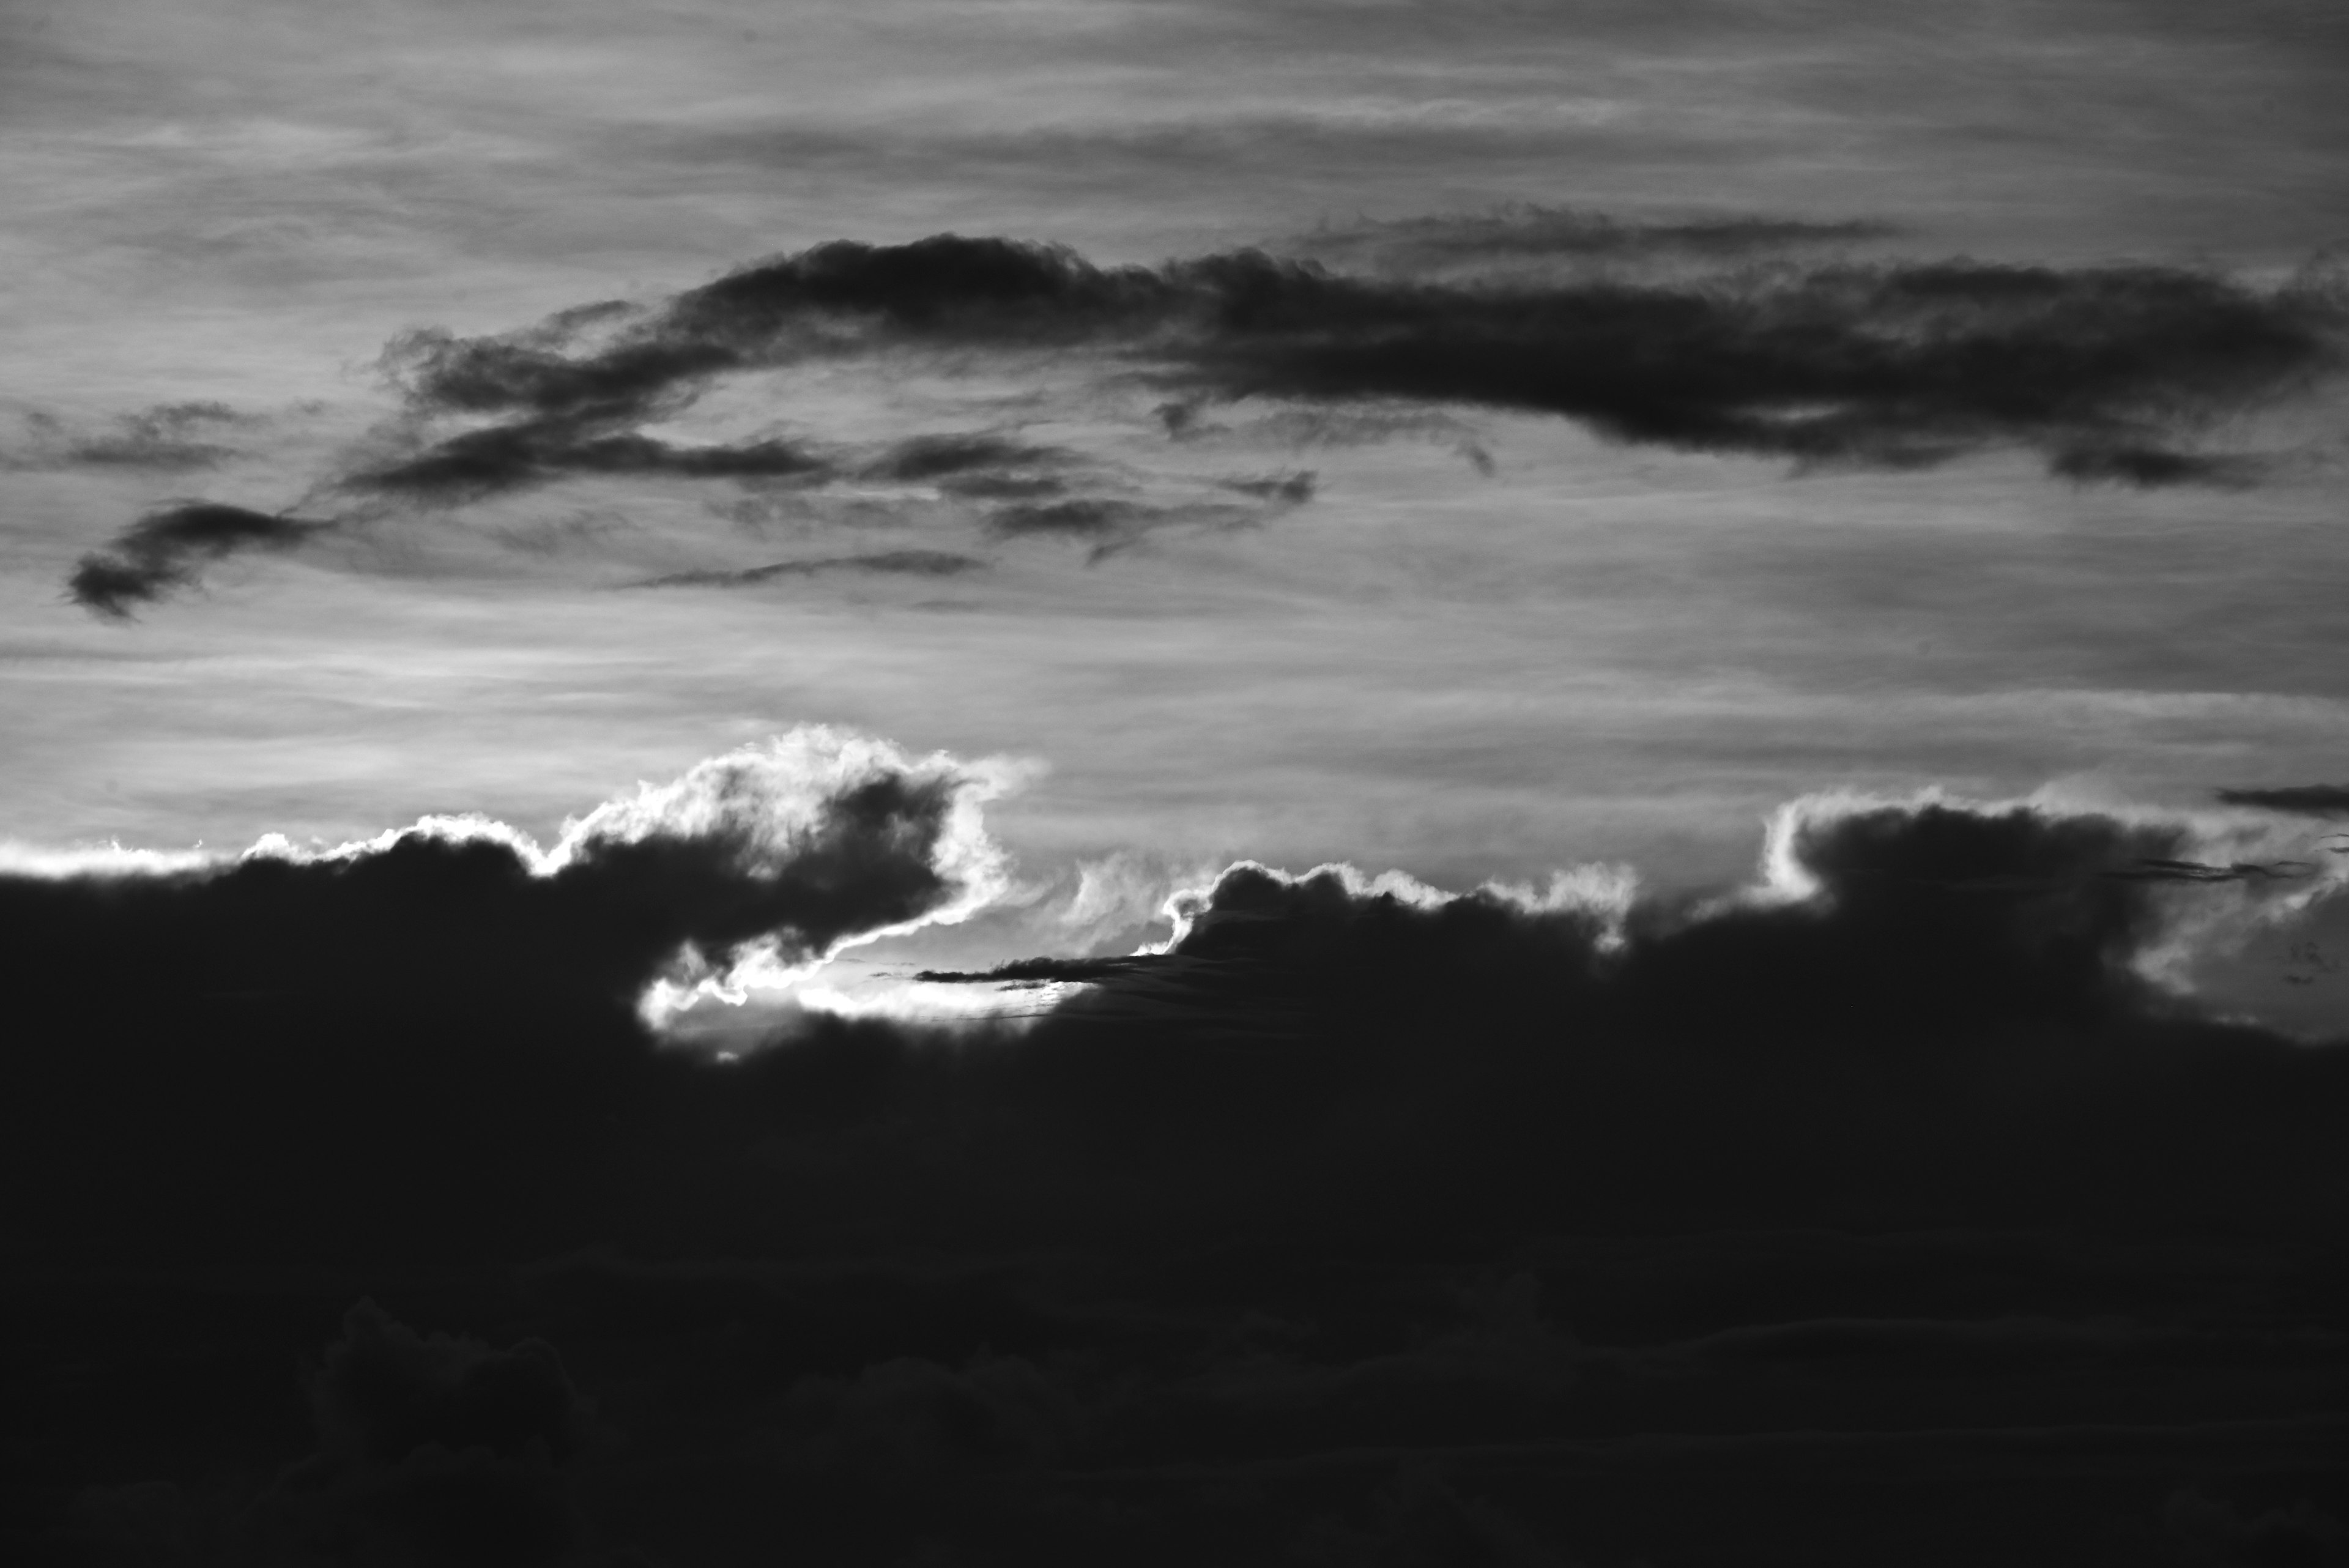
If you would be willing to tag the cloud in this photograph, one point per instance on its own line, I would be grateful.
(952, 458)
(1900, 1170)
(1296, 488)
(1896, 364)
(457, 957)
(915, 563)
(2109, 373)
(165, 438)
(1525, 233)
(2312, 800)
(156, 553)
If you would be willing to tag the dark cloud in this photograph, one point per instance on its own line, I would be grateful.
(914, 563)
(439, 964)
(1896, 364)
(1084, 517)
(981, 467)
(498, 458)
(157, 553)
(1890, 1214)
(1523, 233)
(2313, 800)
(948, 457)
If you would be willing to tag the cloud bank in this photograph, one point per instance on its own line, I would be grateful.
(1357, 1223)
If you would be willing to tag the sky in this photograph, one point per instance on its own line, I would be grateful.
(1315, 781)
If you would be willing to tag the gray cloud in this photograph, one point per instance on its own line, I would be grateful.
(912, 563)
(157, 553)
(167, 438)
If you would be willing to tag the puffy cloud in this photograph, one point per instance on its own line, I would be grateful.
(329, 1003)
(435, 1449)
(1655, 1226)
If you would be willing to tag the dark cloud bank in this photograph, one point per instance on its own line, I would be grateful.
(1899, 1224)
(2109, 373)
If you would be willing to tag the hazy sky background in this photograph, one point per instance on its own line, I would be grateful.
(1577, 650)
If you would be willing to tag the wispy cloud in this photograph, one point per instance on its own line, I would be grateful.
(158, 553)
(2109, 373)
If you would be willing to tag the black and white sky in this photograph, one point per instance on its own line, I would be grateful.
(1316, 781)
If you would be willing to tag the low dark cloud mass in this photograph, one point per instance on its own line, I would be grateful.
(157, 553)
(1893, 1215)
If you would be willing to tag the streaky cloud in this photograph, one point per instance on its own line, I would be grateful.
(894, 563)
(498, 459)
(1896, 364)
(2311, 800)
(2110, 374)
(163, 438)
(157, 553)
(1519, 233)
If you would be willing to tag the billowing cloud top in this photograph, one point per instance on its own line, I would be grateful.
(1333, 1165)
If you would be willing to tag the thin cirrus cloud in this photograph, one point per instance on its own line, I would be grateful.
(167, 438)
(2109, 373)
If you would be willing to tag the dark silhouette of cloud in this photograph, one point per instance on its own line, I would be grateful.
(156, 553)
(1293, 488)
(2313, 800)
(416, 952)
(1084, 516)
(435, 1449)
(2108, 372)
(502, 458)
(1889, 1210)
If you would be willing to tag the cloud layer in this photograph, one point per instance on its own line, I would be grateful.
(2111, 373)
